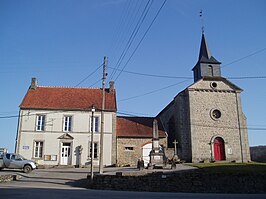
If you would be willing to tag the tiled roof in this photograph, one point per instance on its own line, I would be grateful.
(68, 98)
(137, 127)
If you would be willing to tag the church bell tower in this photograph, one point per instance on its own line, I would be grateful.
(207, 65)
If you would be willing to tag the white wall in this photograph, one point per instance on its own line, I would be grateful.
(54, 129)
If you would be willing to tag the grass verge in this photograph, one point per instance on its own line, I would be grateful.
(243, 168)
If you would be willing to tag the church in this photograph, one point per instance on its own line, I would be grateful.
(206, 118)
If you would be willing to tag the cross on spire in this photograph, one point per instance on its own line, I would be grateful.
(202, 22)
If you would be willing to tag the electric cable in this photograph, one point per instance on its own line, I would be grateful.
(154, 91)
(133, 35)
(142, 39)
(89, 75)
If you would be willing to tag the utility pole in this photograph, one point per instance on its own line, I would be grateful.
(102, 116)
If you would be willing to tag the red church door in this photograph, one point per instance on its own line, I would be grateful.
(219, 152)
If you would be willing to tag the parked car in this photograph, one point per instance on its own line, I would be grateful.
(16, 161)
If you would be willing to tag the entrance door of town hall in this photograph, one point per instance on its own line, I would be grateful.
(219, 151)
(65, 153)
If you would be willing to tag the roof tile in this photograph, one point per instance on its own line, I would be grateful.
(137, 127)
(68, 98)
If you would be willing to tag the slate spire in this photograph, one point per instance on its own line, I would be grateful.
(207, 65)
(205, 53)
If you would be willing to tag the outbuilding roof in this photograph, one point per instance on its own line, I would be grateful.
(138, 127)
(66, 98)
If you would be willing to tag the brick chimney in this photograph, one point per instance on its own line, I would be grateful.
(111, 86)
(33, 84)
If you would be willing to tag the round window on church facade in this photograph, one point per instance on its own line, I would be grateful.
(214, 85)
(216, 114)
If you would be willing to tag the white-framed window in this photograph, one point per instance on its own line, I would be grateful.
(40, 123)
(95, 124)
(68, 123)
(95, 153)
(38, 149)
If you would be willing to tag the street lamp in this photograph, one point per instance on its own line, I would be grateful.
(92, 144)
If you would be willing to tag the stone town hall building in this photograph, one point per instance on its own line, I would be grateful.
(206, 118)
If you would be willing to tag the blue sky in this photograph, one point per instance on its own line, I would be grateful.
(61, 42)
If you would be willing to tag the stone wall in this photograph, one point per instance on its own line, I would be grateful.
(183, 128)
(8, 177)
(231, 126)
(175, 120)
(189, 182)
(130, 157)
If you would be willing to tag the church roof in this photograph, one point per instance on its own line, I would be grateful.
(137, 127)
(205, 53)
(65, 98)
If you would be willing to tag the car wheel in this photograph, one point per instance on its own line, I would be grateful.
(27, 169)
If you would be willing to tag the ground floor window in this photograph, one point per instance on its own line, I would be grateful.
(38, 149)
(95, 153)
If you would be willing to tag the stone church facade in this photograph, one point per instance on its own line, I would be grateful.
(206, 118)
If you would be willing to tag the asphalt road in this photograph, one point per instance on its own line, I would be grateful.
(64, 183)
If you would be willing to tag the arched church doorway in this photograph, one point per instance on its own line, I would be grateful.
(219, 151)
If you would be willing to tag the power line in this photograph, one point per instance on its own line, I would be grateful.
(132, 113)
(127, 114)
(230, 127)
(240, 59)
(183, 77)
(142, 39)
(27, 114)
(154, 91)
(248, 77)
(152, 75)
(125, 28)
(133, 35)
(95, 82)
(117, 33)
(157, 90)
(89, 75)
